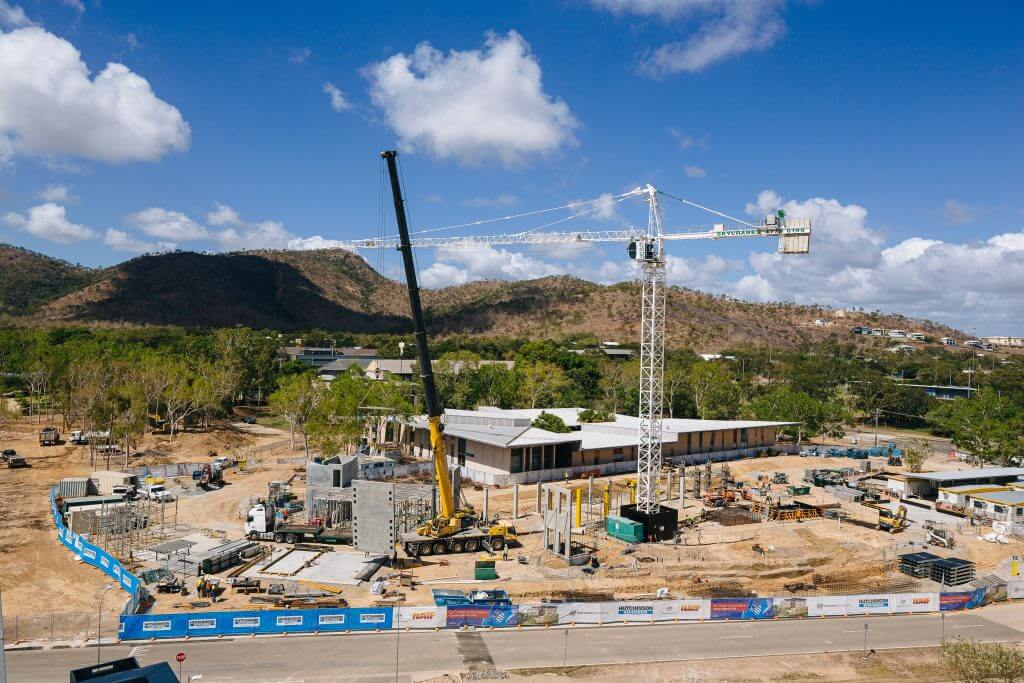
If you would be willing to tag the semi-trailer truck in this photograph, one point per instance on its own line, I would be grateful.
(262, 524)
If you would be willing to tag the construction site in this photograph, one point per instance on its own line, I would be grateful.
(260, 528)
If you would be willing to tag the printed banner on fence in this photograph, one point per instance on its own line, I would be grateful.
(422, 617)
(137, 626)
(579, 612)
(867, 604)
(741, 608)
(914, 602)
(789, 607)
(949, 602)
(481, 615)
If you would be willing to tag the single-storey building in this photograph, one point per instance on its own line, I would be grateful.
(498, 446)
(958, 496)
(927, 484)
(1005, 506)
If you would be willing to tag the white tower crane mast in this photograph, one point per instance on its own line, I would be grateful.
(647, 247)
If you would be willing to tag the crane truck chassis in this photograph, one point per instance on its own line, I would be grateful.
(494, 538)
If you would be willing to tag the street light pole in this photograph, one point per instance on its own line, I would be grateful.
(99, 622)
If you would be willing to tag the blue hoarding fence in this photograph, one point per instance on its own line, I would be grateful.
(144, 626)
(96, 556)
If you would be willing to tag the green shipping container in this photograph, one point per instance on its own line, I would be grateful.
(484, 570)
(624, 529)
(798, 490)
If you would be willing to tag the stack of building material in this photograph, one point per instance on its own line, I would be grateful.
(105, 480)
(73, 487)
(918, 565)
(846, 493)
(952, 571)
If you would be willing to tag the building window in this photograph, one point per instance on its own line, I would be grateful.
(536, 458)
(978, 505)
(516, 462)
(337, 478)
(549, 457)
(999, 509)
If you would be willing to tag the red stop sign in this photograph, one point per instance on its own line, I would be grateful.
(180, 657)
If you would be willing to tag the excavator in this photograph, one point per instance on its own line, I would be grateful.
(455, 529)
(888, 520)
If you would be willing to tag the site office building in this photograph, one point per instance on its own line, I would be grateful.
(497, 446)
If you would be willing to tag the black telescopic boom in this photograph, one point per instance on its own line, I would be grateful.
(420, 329)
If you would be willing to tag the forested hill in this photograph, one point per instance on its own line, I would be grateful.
(29, 279)
(335, 289)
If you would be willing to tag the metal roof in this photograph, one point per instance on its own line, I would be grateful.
(1001, 497)
(967, 475)
(978, 488)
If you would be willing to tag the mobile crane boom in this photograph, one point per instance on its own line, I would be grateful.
(434, 410)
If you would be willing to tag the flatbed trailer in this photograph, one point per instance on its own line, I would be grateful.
(303, 533)
(465, 541)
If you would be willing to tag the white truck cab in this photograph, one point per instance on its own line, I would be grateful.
(259, 520)
(158, 492)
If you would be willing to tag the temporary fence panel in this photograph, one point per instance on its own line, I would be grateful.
(627, 611)
(789, 607)
(826, 605)
(138, 626)
(422, 617)
(913, 602)
(683, 609)
(949, 602)
(741, 608)
(537, 615)
(481, 615)
(580, 612)
(867, 604)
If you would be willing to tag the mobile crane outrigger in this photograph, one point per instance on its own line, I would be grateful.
(455, 529)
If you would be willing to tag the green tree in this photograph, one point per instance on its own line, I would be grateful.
(915, 453)
(298, 400)
(540, 382)
(550, 422)
(987, 425)
(714, 393)
(588, 415)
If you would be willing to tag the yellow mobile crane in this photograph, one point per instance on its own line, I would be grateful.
(455, 529)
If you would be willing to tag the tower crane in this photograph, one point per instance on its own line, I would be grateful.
(647, 248)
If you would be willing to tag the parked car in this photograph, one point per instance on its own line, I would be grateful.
(249, 420)
(157, 492)
(11, 457)
(6, 453)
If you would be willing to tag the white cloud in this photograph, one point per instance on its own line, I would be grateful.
(264, 235)
(49, 222)
(970, 285)
(49, 105)
(131, 40)
(119, 240)
(169, 225)
(484, 262)
(57, 193)
(76, 5)
(315, 242)
(337, 97)
(695, 172)
(604, 208)
(726, 28)
(12, 16)
(299, 55)
(957, 213)
(222, 214)
(472, 104)
(500, 200)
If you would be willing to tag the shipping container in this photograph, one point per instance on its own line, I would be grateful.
(625, 529)
(73, 487)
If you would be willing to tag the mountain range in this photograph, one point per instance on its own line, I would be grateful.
(338, 290)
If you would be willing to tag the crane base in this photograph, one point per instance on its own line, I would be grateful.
(658, 526)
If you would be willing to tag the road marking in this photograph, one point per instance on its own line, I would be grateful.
(136, 651)
(605, 642)
(970, 626)
(732, 637)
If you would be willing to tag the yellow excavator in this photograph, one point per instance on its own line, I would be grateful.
(889, 520)
(455, 529)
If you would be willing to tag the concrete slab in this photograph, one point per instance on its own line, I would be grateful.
(336, 567)
(291, 563)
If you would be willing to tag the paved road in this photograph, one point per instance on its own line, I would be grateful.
(371, 657)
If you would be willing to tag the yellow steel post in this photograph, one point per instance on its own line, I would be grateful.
(578, 507)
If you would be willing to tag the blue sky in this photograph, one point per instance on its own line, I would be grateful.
(895, 127)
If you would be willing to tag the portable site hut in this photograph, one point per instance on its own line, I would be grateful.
(104, 481)
(958, 495)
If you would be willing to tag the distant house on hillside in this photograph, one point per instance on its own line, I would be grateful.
(318, 356)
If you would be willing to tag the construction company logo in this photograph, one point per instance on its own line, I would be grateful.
(689, 607)
(151, 626)
(873, 603)
(921, 601)
(372, 618)
(290, 620)
(78, 543)
(126, 581)
(105, 561)
(245, 622)
(423, 615)
(89, 553)
(117, 571)
(633, 610)
(201, 624)
(331, 619)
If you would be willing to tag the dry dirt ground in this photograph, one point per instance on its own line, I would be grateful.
(37, 573)
(710, 560)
